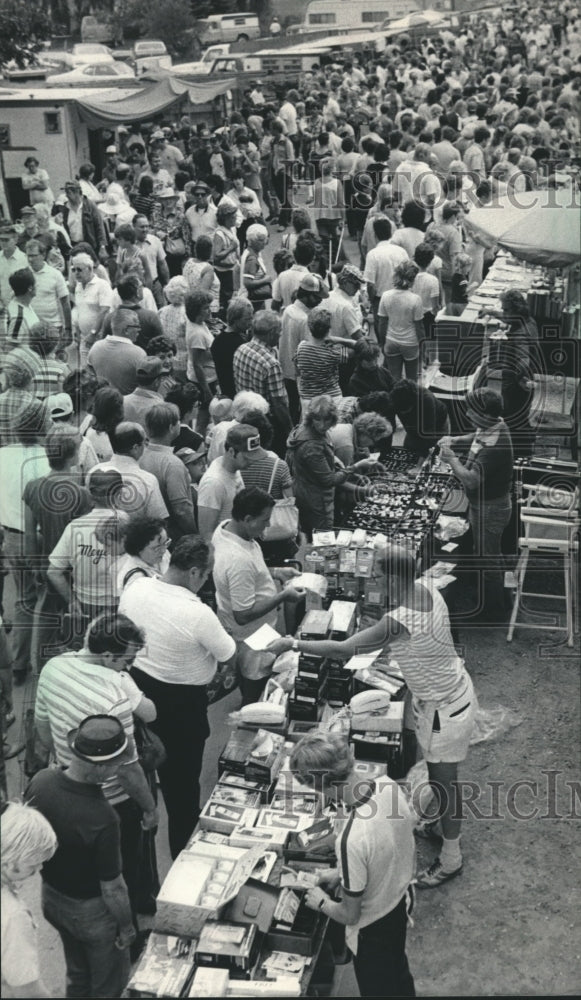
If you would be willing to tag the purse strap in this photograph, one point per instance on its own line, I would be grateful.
(272, 475)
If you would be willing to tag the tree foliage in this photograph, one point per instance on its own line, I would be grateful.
(24, 27)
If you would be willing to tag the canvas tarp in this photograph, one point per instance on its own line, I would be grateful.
(541, 227)
(150, 101)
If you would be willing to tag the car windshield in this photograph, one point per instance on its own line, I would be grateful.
(150, 48)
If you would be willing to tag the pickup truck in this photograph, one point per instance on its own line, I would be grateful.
(150, 55)
(279, 65)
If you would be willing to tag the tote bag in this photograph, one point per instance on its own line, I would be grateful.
(284, 519)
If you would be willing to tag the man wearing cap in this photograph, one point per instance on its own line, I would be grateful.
(51, 295)
(28, 228)
(201, 216)
(93, 297)
(195, 461)
(109, 172)
(162, 424)
(171, 158)
(94, 681)
(137, 404)
(82, 220)
(11, 259)
(295, 328)
(84, 894)
(257, 369)
(117, 357)
(222, 480)
(256, 96)
(140, 496)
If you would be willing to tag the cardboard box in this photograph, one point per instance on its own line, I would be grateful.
(315, 625)
(235, 796)
(281, 986)
(223, 817)
(164, 969)
(210, 983)
(312, 686)
(343, 619)
(264, 761)
(296, 731)
(389, 720)
(191, 892)
(311, 665)
(229, 780)
(271, 819)
(308, 804)
(316, 842)
(237, 751)
(226, 945)
(259, 839)
(207, 837)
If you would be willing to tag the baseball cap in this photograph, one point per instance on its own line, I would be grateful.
(98, 739)
(27, 210)
(8, 229)
(111, 149)
(150, 368)
(201, 186)
(72, 186)
(310, 283)
(191, 455)
(158, 134)
(59, 405)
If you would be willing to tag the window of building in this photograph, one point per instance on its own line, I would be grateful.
(322, 18)
(52, 123)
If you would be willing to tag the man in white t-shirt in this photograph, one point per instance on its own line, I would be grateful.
(246, 593)
(93, 297)
(381, 262)
(376, 852)
(185, 644)
(152, 248)
(222, 481)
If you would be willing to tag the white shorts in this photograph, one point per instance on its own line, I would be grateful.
(444, 734)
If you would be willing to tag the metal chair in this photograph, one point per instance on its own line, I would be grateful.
(551, 523)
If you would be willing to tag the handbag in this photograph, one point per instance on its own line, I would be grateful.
(284, 517)
(175, 245)
(150, 749)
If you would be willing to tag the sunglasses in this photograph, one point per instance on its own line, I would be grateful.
(77, 270)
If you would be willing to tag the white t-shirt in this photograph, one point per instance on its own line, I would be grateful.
(20, 965)
(199, 338)
(218, 487)
(241, 577)
(381, 263)
(402, 307)
(50, 288)
(184, 639)
(90, 299)
(376, 852)
(19, 465)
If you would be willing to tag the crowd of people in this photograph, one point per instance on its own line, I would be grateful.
(180, 409)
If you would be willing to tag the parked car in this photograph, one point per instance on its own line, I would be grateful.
(204, 65)
(228, 28)
(150, 55)
(88, 52)
(93, 30)
(90, 74)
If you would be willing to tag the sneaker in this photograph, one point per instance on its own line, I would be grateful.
(435, 875)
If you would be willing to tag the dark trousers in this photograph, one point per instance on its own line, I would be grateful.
(182, 726)
(283, 186)
(381, 965)
(95, 967)
(226, 279)
(294, 401)
(138, 858)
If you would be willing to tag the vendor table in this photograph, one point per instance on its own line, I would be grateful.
(460, 340)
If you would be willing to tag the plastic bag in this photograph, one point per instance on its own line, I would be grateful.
(450, 527)
(492, 722)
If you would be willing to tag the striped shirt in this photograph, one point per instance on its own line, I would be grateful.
(259, 473)
(317, 367)
(70, 688)
(50, 379)
(429, 662)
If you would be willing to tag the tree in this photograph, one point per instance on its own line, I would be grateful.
(24, 27)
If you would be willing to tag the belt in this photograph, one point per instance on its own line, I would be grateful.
(13, 531)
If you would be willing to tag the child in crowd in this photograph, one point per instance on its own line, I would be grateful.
(173, 321)
(28, 840)
(220, 411)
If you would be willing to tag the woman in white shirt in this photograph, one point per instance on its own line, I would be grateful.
(36, 181)
(146, 545)
(401, 328)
